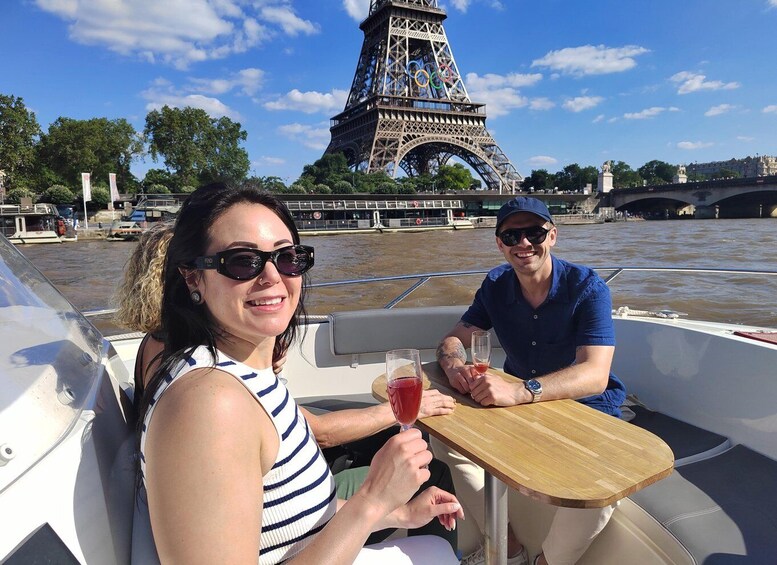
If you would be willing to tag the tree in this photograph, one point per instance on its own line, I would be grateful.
(657, 172)
(15, 195)
(727, 173)
(456, 177)
(157, 177)
(196, 147)
(624, 176)
(58, 194)
(342, 187)
(540, 179)
(329, 169)
(19, 133)
(98, 146)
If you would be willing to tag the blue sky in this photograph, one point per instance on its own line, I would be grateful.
(564, 81)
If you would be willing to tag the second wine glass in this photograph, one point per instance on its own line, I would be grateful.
(405, 385)
(481, 351)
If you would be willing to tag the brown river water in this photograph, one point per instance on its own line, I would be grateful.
(88, 272)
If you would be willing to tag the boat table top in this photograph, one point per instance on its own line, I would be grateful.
(560, 452)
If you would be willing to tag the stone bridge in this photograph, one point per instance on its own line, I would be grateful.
(754, 197)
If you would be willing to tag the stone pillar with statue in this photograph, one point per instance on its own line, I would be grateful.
(680, 177)
(605, 178)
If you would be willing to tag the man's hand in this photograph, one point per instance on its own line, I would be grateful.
(493, 390)
(462, 377)
(435, 403)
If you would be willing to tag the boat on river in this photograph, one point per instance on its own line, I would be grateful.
(330, 217)
(121, 230)
(708, 389)
(31, 223)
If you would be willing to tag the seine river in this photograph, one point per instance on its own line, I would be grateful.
(88, 272)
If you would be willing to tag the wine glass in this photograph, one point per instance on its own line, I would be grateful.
(481, 351)
(405, 385)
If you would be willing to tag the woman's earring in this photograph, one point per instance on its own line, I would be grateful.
(196, 297)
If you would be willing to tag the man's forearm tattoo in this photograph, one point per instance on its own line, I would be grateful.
(457, 352)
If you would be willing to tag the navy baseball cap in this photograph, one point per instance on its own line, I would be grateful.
(523, 204)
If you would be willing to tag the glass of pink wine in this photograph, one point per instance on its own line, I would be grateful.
(481, 351)
(405, 384)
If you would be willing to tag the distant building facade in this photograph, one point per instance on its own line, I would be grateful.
(758, 166)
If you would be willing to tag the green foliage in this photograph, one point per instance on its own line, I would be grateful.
(657, 172)
(321, 189)
(15, 195)
(342, 187)
(19, 133)
(158, 177)
(198, 148)
(456, 177)
(727, 173)
(329, 169)
(296, 188)
(539, 179)
(160, 189)
(100, 197)
(58, 194)
(98, 146)
(624, 176)
(386, 188)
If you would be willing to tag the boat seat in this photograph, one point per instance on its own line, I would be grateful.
(689, 443)
(722, 509)
(356, 332)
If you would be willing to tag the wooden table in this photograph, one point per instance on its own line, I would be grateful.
(560, 452)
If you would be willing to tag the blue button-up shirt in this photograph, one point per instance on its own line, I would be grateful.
(577, 312)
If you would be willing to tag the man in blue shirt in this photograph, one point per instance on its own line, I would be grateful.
(554, 322)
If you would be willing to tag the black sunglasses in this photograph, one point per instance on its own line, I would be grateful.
(243, 263)
(513, 236)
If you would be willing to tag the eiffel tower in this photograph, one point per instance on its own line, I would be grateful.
(408, 107)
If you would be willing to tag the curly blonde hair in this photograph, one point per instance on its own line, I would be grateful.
(139, 295)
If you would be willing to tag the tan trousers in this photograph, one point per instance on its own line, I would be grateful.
(571, 531)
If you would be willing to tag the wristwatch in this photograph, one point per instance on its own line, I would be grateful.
(535, 388)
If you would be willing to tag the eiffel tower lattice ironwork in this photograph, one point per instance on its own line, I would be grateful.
(408, 107)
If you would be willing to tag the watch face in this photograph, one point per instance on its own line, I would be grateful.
(534, 386)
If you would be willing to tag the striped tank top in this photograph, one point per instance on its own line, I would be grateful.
(299, 491)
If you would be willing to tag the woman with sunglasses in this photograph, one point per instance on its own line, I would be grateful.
(554, 321)
(230, 469)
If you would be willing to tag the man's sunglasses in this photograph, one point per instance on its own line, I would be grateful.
(513, 236)
(243, 263)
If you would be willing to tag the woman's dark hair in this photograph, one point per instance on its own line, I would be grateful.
(185, 324)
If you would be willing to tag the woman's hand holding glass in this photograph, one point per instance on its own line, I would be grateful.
(397, 471)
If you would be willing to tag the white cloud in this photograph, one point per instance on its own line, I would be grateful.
(694, 144)
(265, 160)
(694, 82)
(746, 138)
(500, 93)
(580, 103)
(598, 119)
(357, 9)
(163, 93)
(310, 102)
(540, 160)
(591, 60)
(176, 32)
(288, 21)
(649, 113)
(771, 109)
(499, 101)
(772, 3)
(541, 104)
(248, 81)
(490, 80)
(719, 109)
(313, 137)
